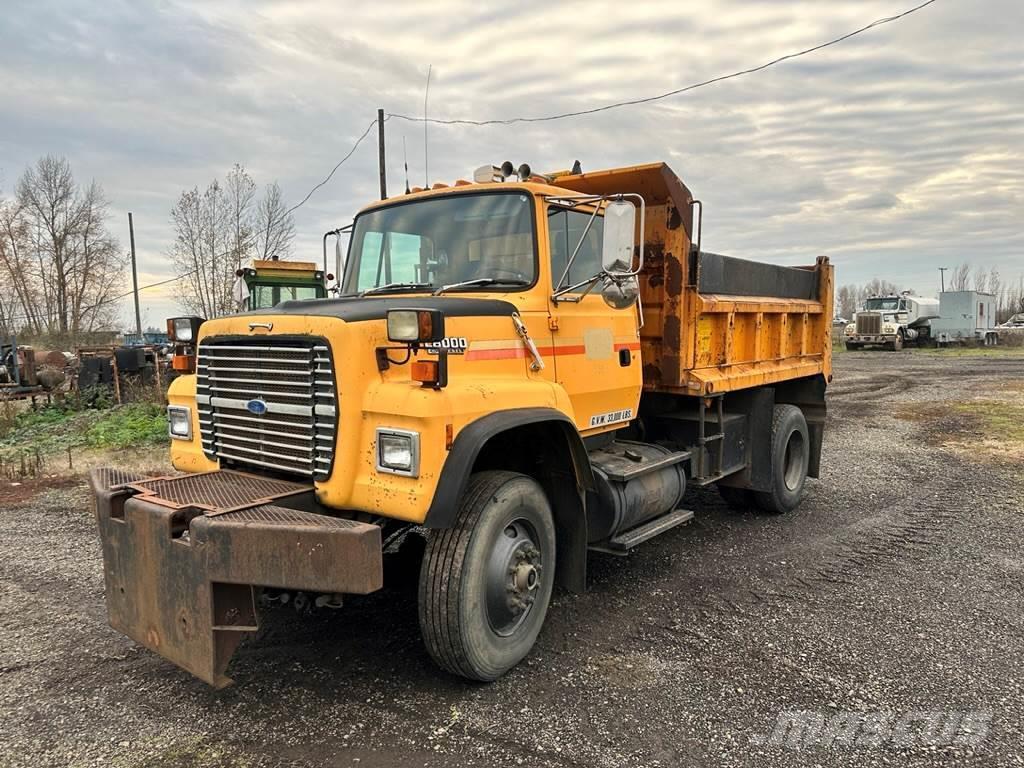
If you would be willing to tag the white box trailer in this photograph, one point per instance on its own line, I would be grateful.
(966, 317)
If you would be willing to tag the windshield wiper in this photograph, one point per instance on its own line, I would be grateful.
(480, 281)
(396, 287)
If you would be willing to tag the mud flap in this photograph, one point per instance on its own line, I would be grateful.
(180, 578)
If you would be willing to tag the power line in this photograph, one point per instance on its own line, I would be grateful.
(244, 244)
(677, 91)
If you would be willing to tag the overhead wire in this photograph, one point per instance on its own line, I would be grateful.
(667, 94)
(239, 246)
(545, 118)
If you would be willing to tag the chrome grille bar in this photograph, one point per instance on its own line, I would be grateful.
(271, 404)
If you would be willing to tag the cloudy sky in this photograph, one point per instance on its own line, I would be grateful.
(894, 153)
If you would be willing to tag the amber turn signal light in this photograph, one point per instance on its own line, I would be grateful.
(426, 371)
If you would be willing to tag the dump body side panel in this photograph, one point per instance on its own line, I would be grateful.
(715, 323)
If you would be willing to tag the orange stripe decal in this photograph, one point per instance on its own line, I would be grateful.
(515, 350)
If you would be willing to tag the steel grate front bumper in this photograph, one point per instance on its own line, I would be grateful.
(182, 555)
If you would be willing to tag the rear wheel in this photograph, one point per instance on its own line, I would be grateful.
(486, 582)
(790, 458)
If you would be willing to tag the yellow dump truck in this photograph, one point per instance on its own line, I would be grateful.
(520, 368)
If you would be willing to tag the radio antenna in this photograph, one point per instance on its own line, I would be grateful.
(405, 160)
(426, 164)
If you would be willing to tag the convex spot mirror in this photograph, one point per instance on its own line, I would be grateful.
(617, 243)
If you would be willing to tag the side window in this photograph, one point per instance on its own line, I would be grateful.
(565, 228)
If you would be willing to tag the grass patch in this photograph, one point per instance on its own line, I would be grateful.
(997, 351)
(992, 425)
(1001, 419)
(57, 429)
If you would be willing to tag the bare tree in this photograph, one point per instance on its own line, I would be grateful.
(275, 228)
(239, 196)
(56, 253)
(995, 287)
(980, 279)
(219, 229)
(961, 278)
(193, 252)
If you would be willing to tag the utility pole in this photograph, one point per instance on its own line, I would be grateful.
(380, 155)
(135, 277)
(942, 277)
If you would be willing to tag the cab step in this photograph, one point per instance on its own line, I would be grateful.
(625, 541)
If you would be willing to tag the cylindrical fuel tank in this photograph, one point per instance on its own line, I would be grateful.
(634, 484)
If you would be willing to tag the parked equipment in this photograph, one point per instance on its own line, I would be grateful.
(269, 282)
(967, 317)
(526, 367)
(893, 322)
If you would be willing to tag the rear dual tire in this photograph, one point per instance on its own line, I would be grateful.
(790, 458)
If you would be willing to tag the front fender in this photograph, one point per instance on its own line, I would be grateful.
(471, 440)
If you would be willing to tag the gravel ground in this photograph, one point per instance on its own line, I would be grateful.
(896, 588)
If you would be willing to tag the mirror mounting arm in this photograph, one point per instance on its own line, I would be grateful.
(573, 201)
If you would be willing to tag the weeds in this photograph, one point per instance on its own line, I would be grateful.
(60, 428)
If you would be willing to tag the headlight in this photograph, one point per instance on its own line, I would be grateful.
(851, 329)
(398, 452)
(415, 326)
(184, 329)
(179, 422)
(888, 329)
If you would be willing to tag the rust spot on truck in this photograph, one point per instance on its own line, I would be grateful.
(673, 280)
(674, 219)
(654, 264)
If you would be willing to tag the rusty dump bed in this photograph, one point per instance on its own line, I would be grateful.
(716, 323)
(182, 555)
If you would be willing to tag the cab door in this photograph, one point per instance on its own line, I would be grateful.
(596, 348)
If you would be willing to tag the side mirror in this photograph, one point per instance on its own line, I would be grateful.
(619, 233)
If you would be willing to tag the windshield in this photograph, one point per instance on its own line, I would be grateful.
(446, 240)
(266, 296)
(889, 302)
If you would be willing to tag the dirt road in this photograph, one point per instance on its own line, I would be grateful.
(895, 589)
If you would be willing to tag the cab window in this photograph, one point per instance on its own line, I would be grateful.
(565, 228)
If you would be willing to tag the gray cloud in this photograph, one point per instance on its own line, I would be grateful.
(894, 153)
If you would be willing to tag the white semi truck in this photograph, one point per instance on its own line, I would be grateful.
(892, 322)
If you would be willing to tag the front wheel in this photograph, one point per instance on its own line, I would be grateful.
(486, 582)
(897, 343)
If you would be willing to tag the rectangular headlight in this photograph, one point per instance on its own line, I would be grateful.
(415, 326)
(179, 422)
(184, 329)
(398, 452)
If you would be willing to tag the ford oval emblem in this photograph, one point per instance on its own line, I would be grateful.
(256, 407)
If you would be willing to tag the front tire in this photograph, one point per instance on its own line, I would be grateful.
(897, 343)
(790, 458)
(486, 582)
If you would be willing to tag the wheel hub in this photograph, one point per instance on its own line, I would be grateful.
(513, 577)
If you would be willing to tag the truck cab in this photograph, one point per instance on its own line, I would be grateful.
(525, 367)
(892, 322)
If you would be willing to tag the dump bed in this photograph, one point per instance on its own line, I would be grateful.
(715, 323)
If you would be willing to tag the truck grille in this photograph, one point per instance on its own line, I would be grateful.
(269, 405)
(869, 323)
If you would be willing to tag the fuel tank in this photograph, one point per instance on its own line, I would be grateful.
(635, 483)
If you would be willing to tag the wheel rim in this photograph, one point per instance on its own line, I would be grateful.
(794, 461)
(514, 569)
